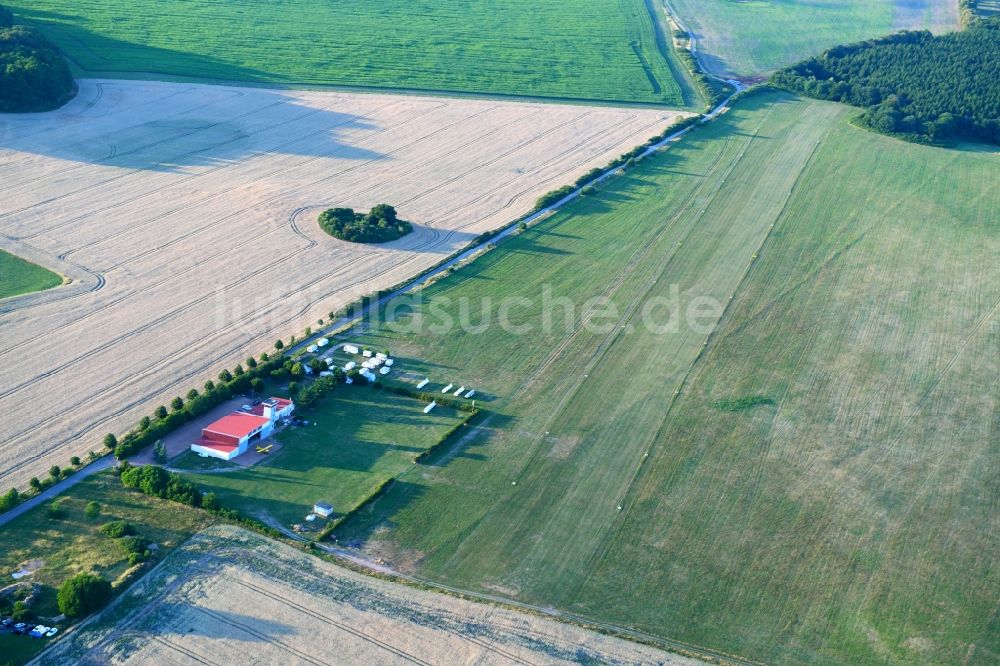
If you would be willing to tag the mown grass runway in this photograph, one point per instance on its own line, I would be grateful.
(551, 48)
(755, 38)
(846, 511)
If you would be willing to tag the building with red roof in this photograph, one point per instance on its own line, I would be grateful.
(231, 435)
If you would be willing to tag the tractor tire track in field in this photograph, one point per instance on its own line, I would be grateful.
(85, 166)
(275, 198)
(264, 638)
(182, 650)
(514, 197)
(201, 174)
(88, 165)
(101, 279)
(296, 301)
(334, 623)
(75, 117)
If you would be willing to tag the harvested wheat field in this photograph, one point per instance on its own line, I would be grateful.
(229, 596)
(186, 217)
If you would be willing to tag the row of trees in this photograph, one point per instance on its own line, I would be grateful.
(379, 225)
(34, 75)
(164, 420)
(925, 87)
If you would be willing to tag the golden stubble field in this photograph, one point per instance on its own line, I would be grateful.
(232, 597)
(185, 216)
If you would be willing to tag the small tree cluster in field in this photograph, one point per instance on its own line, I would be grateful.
(379, 225)
(158, 482)
(117, 529)
(10, 499)
(312, 393)
(55, 510)
(93, 509)
(83, 594)
(160, 452)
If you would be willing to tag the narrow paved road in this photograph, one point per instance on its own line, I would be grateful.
(98, 465)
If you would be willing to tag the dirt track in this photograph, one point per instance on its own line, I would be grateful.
(186, 216)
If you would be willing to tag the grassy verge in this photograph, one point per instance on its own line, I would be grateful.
(18, 276)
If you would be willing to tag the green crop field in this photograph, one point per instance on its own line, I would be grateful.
(57, 548)
(759, 36)
(575, 49)
(357, 439)
(811, 481)
(18, 276)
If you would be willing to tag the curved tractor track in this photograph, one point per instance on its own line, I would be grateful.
(189, 233)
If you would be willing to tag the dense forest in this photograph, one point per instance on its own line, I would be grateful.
(927, 88)
(380, 225)
(34, 76)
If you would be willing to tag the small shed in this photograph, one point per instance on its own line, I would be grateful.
(367, 353)
(384, 370)
(350, 349)
(424, 383)
(447, 388)
(322, 509)
(311, 349)
(428, 408)
(323, 342)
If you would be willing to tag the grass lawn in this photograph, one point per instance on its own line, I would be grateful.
(73, 543)
(357, 439)
(575, 49)
(757, 37)
(845, 512)
(18, 276)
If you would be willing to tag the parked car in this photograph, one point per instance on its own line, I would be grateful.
(246, 408)
(51, 632)
(38, 631)
(19, 627)
(6, 622)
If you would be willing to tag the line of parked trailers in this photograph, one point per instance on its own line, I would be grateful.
(27, 629)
